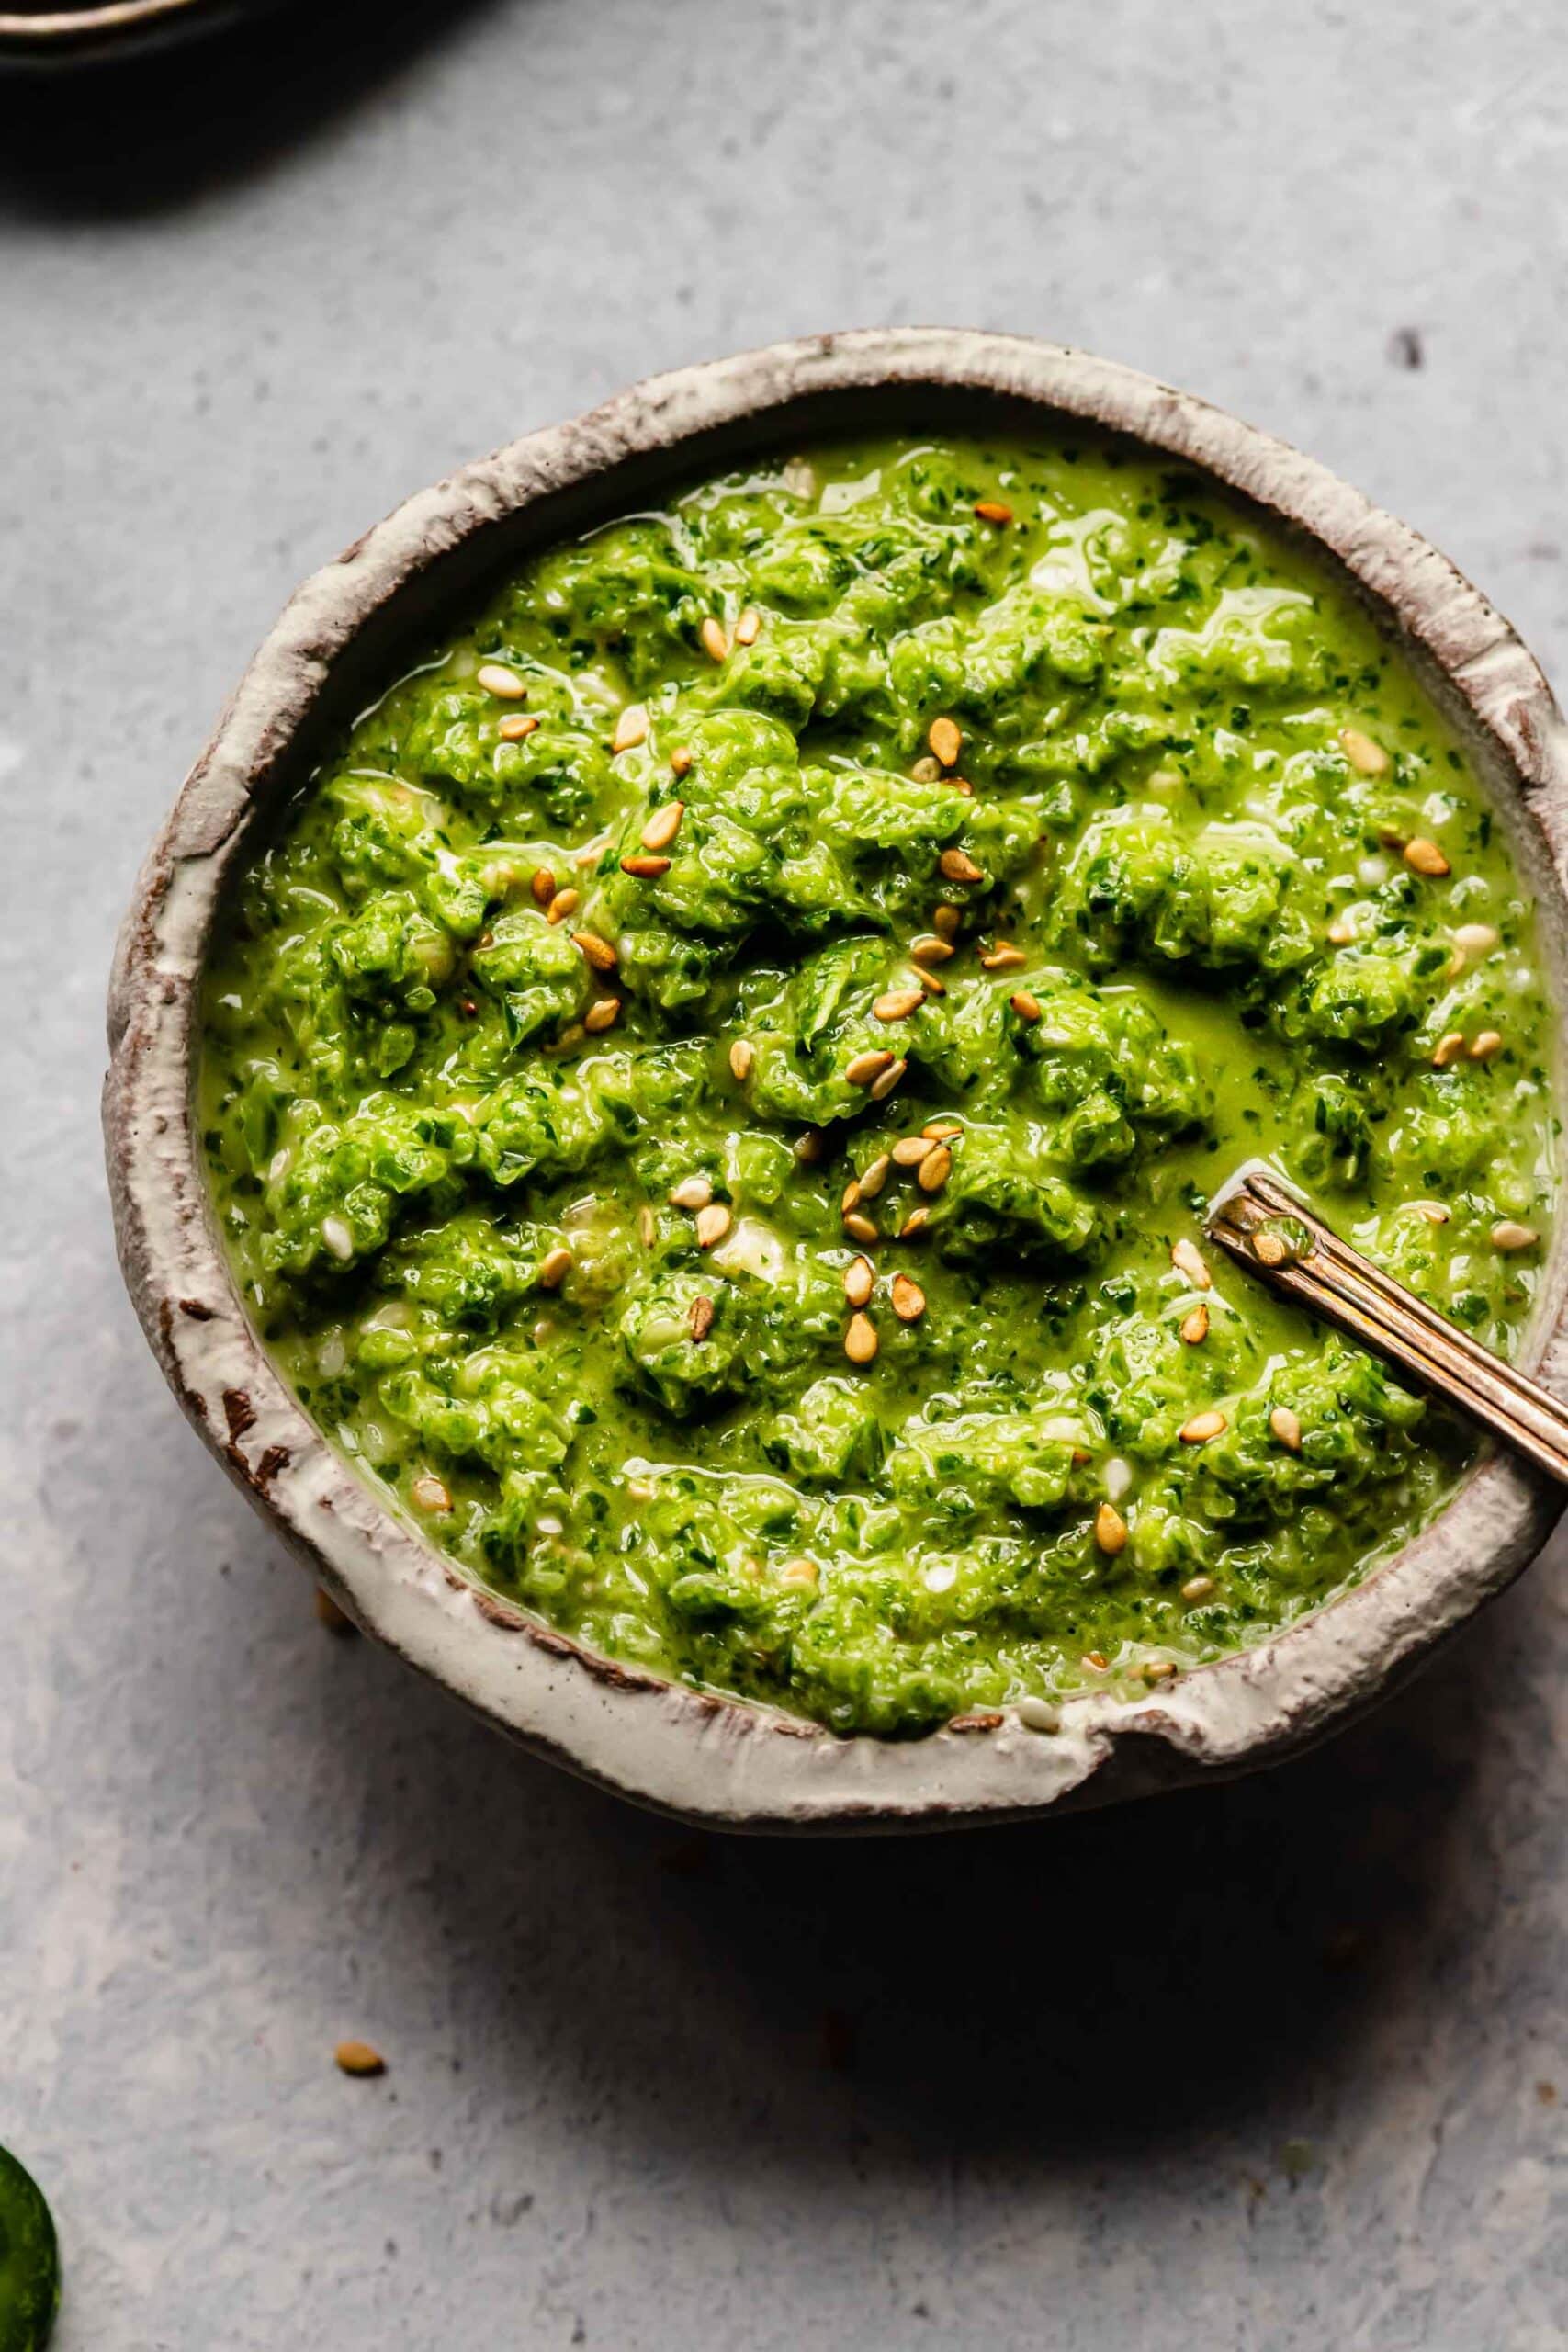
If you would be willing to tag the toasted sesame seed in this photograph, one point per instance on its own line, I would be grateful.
(1426, 857)
(742, 1055)
(881, 1088)
(747, 629)
(808, 1146)
(431, 1493)
(716, 644)
(934, 1170)
(647, 870)
(860, 1281)
(1269, 1249)
(931, 951)
(873, 1178)
(1341, 932)
(859, 1226)
(361, 2057)
(1187, 1259)
(647, 1226)
(942, 1130)
(692, 1192)
(1095, 1659)
(1475, 938)
(699, 1318)
(916, 1222)
(631, 728)
(1110, 1529)
(1201, 1428)
(542, 885)
(932, 985)
(945, 739)
(896, 1004)
(1196, 1588)
(564, 903)
(909, 1150)
(909, 1299)
(992, 510)
(1367, 757)
(1004, 957)
(554, 1267)
(601, 1015)
(925, 771)
(957, 866)
(1157, 1669)
(864, 1067)
(962, 784)
(663, 825)
(496, 679)
(594, 950)
(1488, 1042)
(1510, 1235)
(338, 1234)
(516, 726)
(1449, 1048)
(1287, 1428)
(851, 1198)
(945, 920)
(712, 1223)
(1195, 1327)
(681, 761)
(1027, 1007)
(860, 1340)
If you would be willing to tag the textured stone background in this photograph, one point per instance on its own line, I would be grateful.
(1282, 2067)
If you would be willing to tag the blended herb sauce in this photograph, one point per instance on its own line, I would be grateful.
(711, 1091)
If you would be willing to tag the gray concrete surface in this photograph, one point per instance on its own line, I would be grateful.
(1282, 2067)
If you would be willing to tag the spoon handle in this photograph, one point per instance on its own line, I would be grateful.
(1272, 1230)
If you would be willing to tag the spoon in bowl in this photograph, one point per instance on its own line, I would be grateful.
(1270, 1228)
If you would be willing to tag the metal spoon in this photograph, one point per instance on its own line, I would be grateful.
(1271, 1229)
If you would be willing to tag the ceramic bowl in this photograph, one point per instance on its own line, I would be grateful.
(693, 1753)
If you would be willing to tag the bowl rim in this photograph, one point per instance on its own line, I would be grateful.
(707, 1756)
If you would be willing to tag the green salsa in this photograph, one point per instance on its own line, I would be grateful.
(712, 1087)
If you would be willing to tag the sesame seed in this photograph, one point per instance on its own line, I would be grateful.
(498, 680)
(1197, 1588)
(1158, 1670)
(957, 866)
(646, 870)
(742, 1055)
(916, 1222)
(681, 761)
(931, 951)
(712, 1223)
(1367, 757)
(663, 825)
(860, 1281)
(945, 741)
(860, 1340)
(338, 1235)
(898, 1004)
(808, 1146)
(431, 1493)
(1488, 1042)
(1475, 938)
(631, 728)
(716, 644)
(595, 951)
(864, 1067)
(1510, 1235)
(1027, 1007)
(647, 1226)
(1004, 957)
(881, 1088)
(932, 985)
(601, 1015)
(1448, 1049)
(851, 1197)
(945, 920)
(747, 629)
(1269, 1249)
(873, 1178)
(699, 1318)
(692, 1192)
(909, 1299)
(542, 885)
(516, 726)
(942, 1130)
(1195, 1327)
(1426, 857)
(1287, 1428)
(360, 2057)
(564, 903)
(1187, 1259)
(554, 1267)
(591, 852)
(1201, 1428)
(1038, 1714)
(926, 771)
(909, 1150)
(992, 510)
(934, 1170)
(859, 1228)
(1110, 1529)
(1341, 932)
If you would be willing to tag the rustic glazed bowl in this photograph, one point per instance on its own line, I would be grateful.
(711, 1758)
